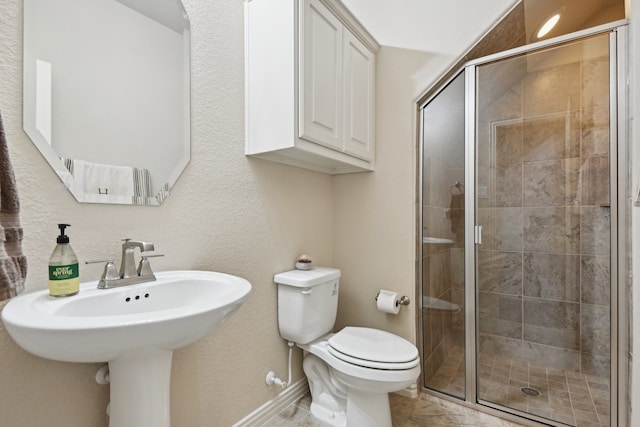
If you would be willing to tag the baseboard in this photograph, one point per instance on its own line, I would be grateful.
(411, 391)
(276, 405)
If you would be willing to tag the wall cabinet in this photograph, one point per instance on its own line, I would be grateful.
(310, 85)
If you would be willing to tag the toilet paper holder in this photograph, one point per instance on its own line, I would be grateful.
(404, 300)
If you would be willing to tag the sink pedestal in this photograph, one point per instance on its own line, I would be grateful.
(140, 389)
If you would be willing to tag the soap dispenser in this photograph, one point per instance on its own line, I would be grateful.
(64, 279)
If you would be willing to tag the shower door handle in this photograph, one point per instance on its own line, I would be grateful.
(478, 234)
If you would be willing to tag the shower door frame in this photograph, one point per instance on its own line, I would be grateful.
(620, 200)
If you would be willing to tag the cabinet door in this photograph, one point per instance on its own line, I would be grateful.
(320, 86)
(359, 102)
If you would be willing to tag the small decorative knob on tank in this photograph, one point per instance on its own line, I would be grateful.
(304, 262)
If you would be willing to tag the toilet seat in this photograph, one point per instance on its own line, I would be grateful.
(320, 348)
(373, 348)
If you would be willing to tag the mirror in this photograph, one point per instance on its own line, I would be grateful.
(107, 95)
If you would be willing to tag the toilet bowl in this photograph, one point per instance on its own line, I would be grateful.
(350, 373)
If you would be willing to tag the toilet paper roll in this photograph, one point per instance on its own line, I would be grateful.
(388, 302)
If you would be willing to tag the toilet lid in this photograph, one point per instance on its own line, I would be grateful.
(373, 348)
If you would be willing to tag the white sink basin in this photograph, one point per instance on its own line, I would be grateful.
(99, 325)
(135, 328)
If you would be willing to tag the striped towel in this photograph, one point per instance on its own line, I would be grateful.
(141, 186)
(13, 263)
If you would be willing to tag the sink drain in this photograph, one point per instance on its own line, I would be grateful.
(530, 391)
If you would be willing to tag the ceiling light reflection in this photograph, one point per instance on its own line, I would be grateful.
(548, 25)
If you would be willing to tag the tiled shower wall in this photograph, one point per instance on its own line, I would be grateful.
(544, 291)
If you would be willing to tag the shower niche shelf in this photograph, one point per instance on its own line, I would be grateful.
(437, 241)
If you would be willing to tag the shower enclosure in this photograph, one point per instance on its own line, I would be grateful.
(520, 253)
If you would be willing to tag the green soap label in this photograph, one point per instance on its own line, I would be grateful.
(63, 280)
(63, 272)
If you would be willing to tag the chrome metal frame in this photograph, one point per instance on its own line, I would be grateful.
(418, 241)
(470, 265)
(620, 204)
(418, 235)
(613, 203)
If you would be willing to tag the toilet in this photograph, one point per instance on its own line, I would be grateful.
(350, 372)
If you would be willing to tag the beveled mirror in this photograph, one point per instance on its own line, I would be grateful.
(107, 95)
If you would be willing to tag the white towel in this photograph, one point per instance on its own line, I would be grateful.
(100, 183)
(97, 178)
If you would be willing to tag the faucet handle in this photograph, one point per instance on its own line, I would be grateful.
(110, 270)
(96, 261)
(144, 268)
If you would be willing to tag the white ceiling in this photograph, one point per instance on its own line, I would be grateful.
(437, 26)
(450, 27)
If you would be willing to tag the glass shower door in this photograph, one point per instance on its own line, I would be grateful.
(443, 231)
(543, 203)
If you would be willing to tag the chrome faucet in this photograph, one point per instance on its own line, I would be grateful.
(128, 264)
(128, 274)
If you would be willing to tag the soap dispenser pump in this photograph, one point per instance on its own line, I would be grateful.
(64, 278)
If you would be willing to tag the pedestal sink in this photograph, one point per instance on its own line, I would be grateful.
(134, 328)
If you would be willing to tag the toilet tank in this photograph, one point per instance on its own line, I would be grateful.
(307, 303)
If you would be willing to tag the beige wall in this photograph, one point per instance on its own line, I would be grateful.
(227, 213)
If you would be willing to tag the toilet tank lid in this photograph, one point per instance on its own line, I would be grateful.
(307, 278)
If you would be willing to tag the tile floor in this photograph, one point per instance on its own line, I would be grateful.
(565, 396)
(405, 412)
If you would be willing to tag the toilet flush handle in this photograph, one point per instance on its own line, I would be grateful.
(307, 292)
